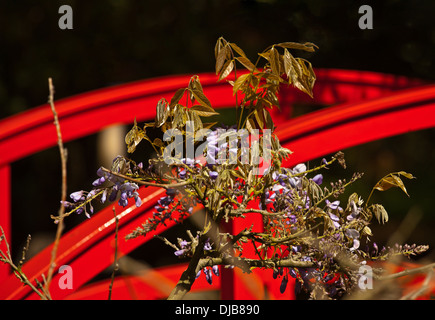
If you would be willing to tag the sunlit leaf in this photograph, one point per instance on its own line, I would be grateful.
(268, 119)
(246, 63)
(162, 112)
(259, 117)
(240, 81)
(203, 111)
(227, 68)
(308, 46)
(238, 49)
(176, 97)
(201, 98)
(288, 66)
(158, 142)
(250, 125)
(274, 61)
(133, 137)
(379, 212)
(393, 180)
(367, 231)
(208, 125)
(197, 123)
(179, 117)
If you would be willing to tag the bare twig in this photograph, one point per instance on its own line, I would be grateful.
(63, 156)
(407, 272)
(116, 265)
(145, 183)
(6, 258)
(25, 249)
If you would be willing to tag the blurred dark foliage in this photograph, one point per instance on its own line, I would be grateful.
(116, 42)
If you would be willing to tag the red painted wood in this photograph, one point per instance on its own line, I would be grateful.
(5, 209)
(91, 243)
(337, 128)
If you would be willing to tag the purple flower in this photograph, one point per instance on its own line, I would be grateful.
(78, 196)
(171, 192)
(180, 252)
(104, 196)
(123, 201)
(354, 211)
(355, 245)
(292, 218)
(208, 275)
(301, 167)
(182, 173)
(318, 178)
(283, 285)
(165, 201)
(137, 199)
(213, 174)
(275, 273)
(352, 233)
(215, 269)
(99, 181)
(333, 205)
(335, 220)
(114, 193)
(159, 208)
(207, 245)
(67, 205)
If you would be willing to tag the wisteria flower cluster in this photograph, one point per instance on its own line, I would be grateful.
(312, 232)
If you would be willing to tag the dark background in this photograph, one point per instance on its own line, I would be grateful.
(116, 42)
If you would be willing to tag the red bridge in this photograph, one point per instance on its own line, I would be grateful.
(363, 107)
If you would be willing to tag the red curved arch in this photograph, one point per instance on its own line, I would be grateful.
(304, 133)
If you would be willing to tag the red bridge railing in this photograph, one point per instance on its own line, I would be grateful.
(365, 106)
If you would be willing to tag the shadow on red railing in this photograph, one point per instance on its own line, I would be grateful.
(365, 106)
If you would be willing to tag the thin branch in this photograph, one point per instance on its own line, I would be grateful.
(63, 156)
(116, 265)
(6, 258)
(145, 183)
(25, 249)
(246, 264)
(407, 272)
(188, 276)
(166, 241)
